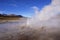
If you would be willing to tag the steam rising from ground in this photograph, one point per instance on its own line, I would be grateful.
(44, 25)
(48, 16)
(47, 21)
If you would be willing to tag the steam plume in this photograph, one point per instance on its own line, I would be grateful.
(48, 15)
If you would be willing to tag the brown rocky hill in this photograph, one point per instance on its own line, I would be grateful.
(10, 17)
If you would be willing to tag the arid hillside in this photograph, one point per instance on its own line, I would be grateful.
(10, 17)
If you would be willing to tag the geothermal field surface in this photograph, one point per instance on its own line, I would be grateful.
(44, 25)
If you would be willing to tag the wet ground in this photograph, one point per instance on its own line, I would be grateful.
(11, 27)
(16, 30)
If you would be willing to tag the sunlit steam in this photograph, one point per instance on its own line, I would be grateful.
(48, 16)
(44, 25)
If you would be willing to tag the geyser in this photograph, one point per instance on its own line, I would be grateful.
(46, 21)
(49, 16)
(44, 25)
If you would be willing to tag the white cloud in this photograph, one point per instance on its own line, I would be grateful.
(36, 9)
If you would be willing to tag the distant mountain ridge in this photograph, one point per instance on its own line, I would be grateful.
(11, 15)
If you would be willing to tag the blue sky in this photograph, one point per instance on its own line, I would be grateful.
(21, 7)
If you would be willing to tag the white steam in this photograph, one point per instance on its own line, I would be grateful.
(48, 16)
